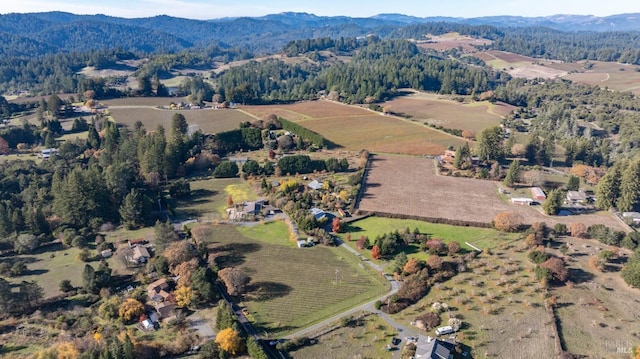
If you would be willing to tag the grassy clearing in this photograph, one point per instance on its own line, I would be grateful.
(74, 136)
(51, 264)
(366, 336)
(373, 227)
(209, 197)
(207, 120)
(290, 287)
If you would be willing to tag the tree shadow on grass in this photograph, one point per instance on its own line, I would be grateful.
(233, 254)
(261, 291)
(35, 271)
(199, 194)
(577, 275)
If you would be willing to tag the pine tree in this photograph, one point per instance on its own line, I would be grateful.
(131, 211)
(553, 202)
(89, 279)
(127, 348)
(513, 174)
(574, 183)
(630, 187)
(608, 189)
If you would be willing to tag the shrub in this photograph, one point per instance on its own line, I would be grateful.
(430, 320)
(507, 222)
(560, 229)
(579, 230)
(66, 286)
(226, 169)
(538, 257)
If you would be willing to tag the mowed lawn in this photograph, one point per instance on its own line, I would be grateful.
(442, 111)
(209, 197)
(290, 287)
(49, 265)
(355, 128)
(208, 120)
(372, 227)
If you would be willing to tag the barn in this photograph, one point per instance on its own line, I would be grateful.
(538, 194)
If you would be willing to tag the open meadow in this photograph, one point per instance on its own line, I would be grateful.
(208, 198)
(50, 264)
(208, 120)
(355, 128)
(615, 76)
(410, 186)
(443, 111)
(453, 40)
(291, 288)
(519, 65)
(372, 227)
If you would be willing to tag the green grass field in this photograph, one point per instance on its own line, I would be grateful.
(291, 287)
(209, 197)
(376, 226)
(51, 264)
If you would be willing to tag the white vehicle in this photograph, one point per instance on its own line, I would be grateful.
(444, 330)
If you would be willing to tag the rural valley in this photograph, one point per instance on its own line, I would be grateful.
(302, 186)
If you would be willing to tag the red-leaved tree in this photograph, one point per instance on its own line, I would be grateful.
(375, 252)
(336, 225)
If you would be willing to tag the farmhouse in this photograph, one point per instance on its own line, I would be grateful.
(4, 146)
(315, 185)
(140, 255)
(575, 197)
(434, 349)
(318, 213)
(246, 210)
(157, 291)
(538, 194)
(522, 201)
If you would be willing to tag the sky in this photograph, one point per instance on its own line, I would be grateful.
(208, 9)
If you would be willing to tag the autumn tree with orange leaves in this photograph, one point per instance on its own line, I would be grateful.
(336, 226)
(375, 252)
(507, 222)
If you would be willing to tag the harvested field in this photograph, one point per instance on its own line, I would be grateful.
(207, 120)
(616, 76)
(309, 110)
(442, 111)
(453, 41)
(355, 128)
(521, 66)
(410, 186)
